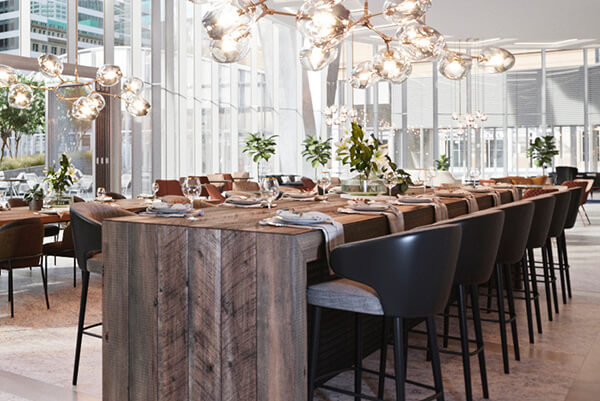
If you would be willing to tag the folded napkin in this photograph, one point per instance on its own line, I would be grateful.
(486, 190)
(439, 208)
(472, 205)
(394, 216)
(300, 196)
(243, 202)
(60, 212)
(514, 191)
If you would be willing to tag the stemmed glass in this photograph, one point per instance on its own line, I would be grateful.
(155, 189)
(269, 188)
(390, 180)
(324, 181)
(474, 176)
(2, 198)
(100, 193)
(190, 187)
(422, 176)
(430, 174)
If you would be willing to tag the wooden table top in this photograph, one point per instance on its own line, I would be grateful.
(20, 213)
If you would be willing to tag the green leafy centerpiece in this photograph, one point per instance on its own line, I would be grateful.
(60, 178)
(542, 150)
(368, 156)
(35, 197)
(317, 152)
(442, 164)
(260, 147)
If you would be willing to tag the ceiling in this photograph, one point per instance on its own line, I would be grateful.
(516, 24)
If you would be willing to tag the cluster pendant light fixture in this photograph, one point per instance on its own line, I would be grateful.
(324, 24)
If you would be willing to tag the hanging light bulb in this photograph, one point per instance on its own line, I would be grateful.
(402, 11)
(323, 25)
(50, 65)
(496, 59)
(316, 58)
(133, 85)
(20, 96)
(421, 41)
(392, 65)
(8, 75)
(226, 18)
(230, 50)
(84, 109)
(109, 75)
(138, 107)
(97, 101)
(363, 75)
(455, 65)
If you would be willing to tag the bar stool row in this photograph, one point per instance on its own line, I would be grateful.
(410, 278)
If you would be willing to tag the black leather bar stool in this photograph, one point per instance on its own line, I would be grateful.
(561, 242)
(396, 276)
(481, 233)
(540, 227)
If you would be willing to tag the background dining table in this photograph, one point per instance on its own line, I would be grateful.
(215, 309)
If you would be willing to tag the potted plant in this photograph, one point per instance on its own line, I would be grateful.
(542, 150)
(60, 178)
(442, 164)
(316, 152)
(260, 147)
(442, 175)
(35, 197)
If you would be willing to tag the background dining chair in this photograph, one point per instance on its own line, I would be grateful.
(22, 247)
(565, 173)
(396, 277)
(50, 230)
(168, 187)
(116, 195)
(63, 248)
(563, 257)
(86, 219)
(214, 193)
(243, 186)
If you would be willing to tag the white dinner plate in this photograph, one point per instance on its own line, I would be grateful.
(307, 218)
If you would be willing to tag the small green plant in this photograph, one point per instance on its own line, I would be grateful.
(260, 147)
(316, 152)
(442, 164)
(542, 150)
(34, 194)
(61, 178)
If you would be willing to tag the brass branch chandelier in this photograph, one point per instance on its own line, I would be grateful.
(85, 108)
(324, 24)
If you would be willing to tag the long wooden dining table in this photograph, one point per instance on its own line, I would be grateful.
(215, 309)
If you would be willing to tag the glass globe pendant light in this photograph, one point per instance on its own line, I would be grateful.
(8, 75)
(402, 11)
(454, 65)
(138, 106)
(20, 96)
(421, 41)
(133, 85)
(230, 50)
(316, 58)
(97, 101)
(84, 109)
(109, 75)
(225, 19)
(323, 25)
(496, 59)
(50, 65)
(392, 65)
(363, 75)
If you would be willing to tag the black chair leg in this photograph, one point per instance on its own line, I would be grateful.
(489, 297)
(382, 358)
(547, 282)
(85, 276)
(446, 326)
(563, 241)
(502, 317)
(45, 283)
(357, 358)
(536, 293)
(552, 274)
(561, 270)
(511, 311)
(479, 339)
(74, 273)
(464, 342)
(399, 358)
(10, 292)
(586, 215)
(436, 365)
(527, 288)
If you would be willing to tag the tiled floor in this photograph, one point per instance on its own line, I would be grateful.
(37, 346)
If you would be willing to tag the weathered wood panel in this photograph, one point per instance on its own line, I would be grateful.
(172, 266)
(143, 318)
(238, 315)
(204, 255)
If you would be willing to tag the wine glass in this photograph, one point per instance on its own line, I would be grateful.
(430, 174)
(474, 174)
(422, 176)
(2, 197)
(390, 180)
(324, 181)
(269, 188)
(155, 189)
(100, 193)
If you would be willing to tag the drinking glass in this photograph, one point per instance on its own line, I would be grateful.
(155, 189)
(324, 181)
(2, 198)
(422, 177)
(100, 193)
(269, 188)
(390, 180)
(475, 175)
(430, 174)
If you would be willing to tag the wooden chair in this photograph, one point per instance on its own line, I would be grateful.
(22, 247)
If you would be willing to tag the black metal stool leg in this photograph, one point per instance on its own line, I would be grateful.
(446, 326)
(502, 317)
(479, 339)
(563, 241)
(399, 358)
(45, 283)
(547, 282)
(357, 357)
(74, 273)
(10, 292)
(383, 358)
(552, 274)
(527, 288)
(561, 270)
(85, 277)
(511, 310)
(536, 293)
(464, 342)
(436, 366)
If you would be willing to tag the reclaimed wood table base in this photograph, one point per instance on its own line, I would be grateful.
(215, 309)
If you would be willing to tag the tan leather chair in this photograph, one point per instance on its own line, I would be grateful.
(246, 186)
(240, 176)
(22, 247)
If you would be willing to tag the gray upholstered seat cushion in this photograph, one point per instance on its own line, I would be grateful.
(345, 295)
(95, 264)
